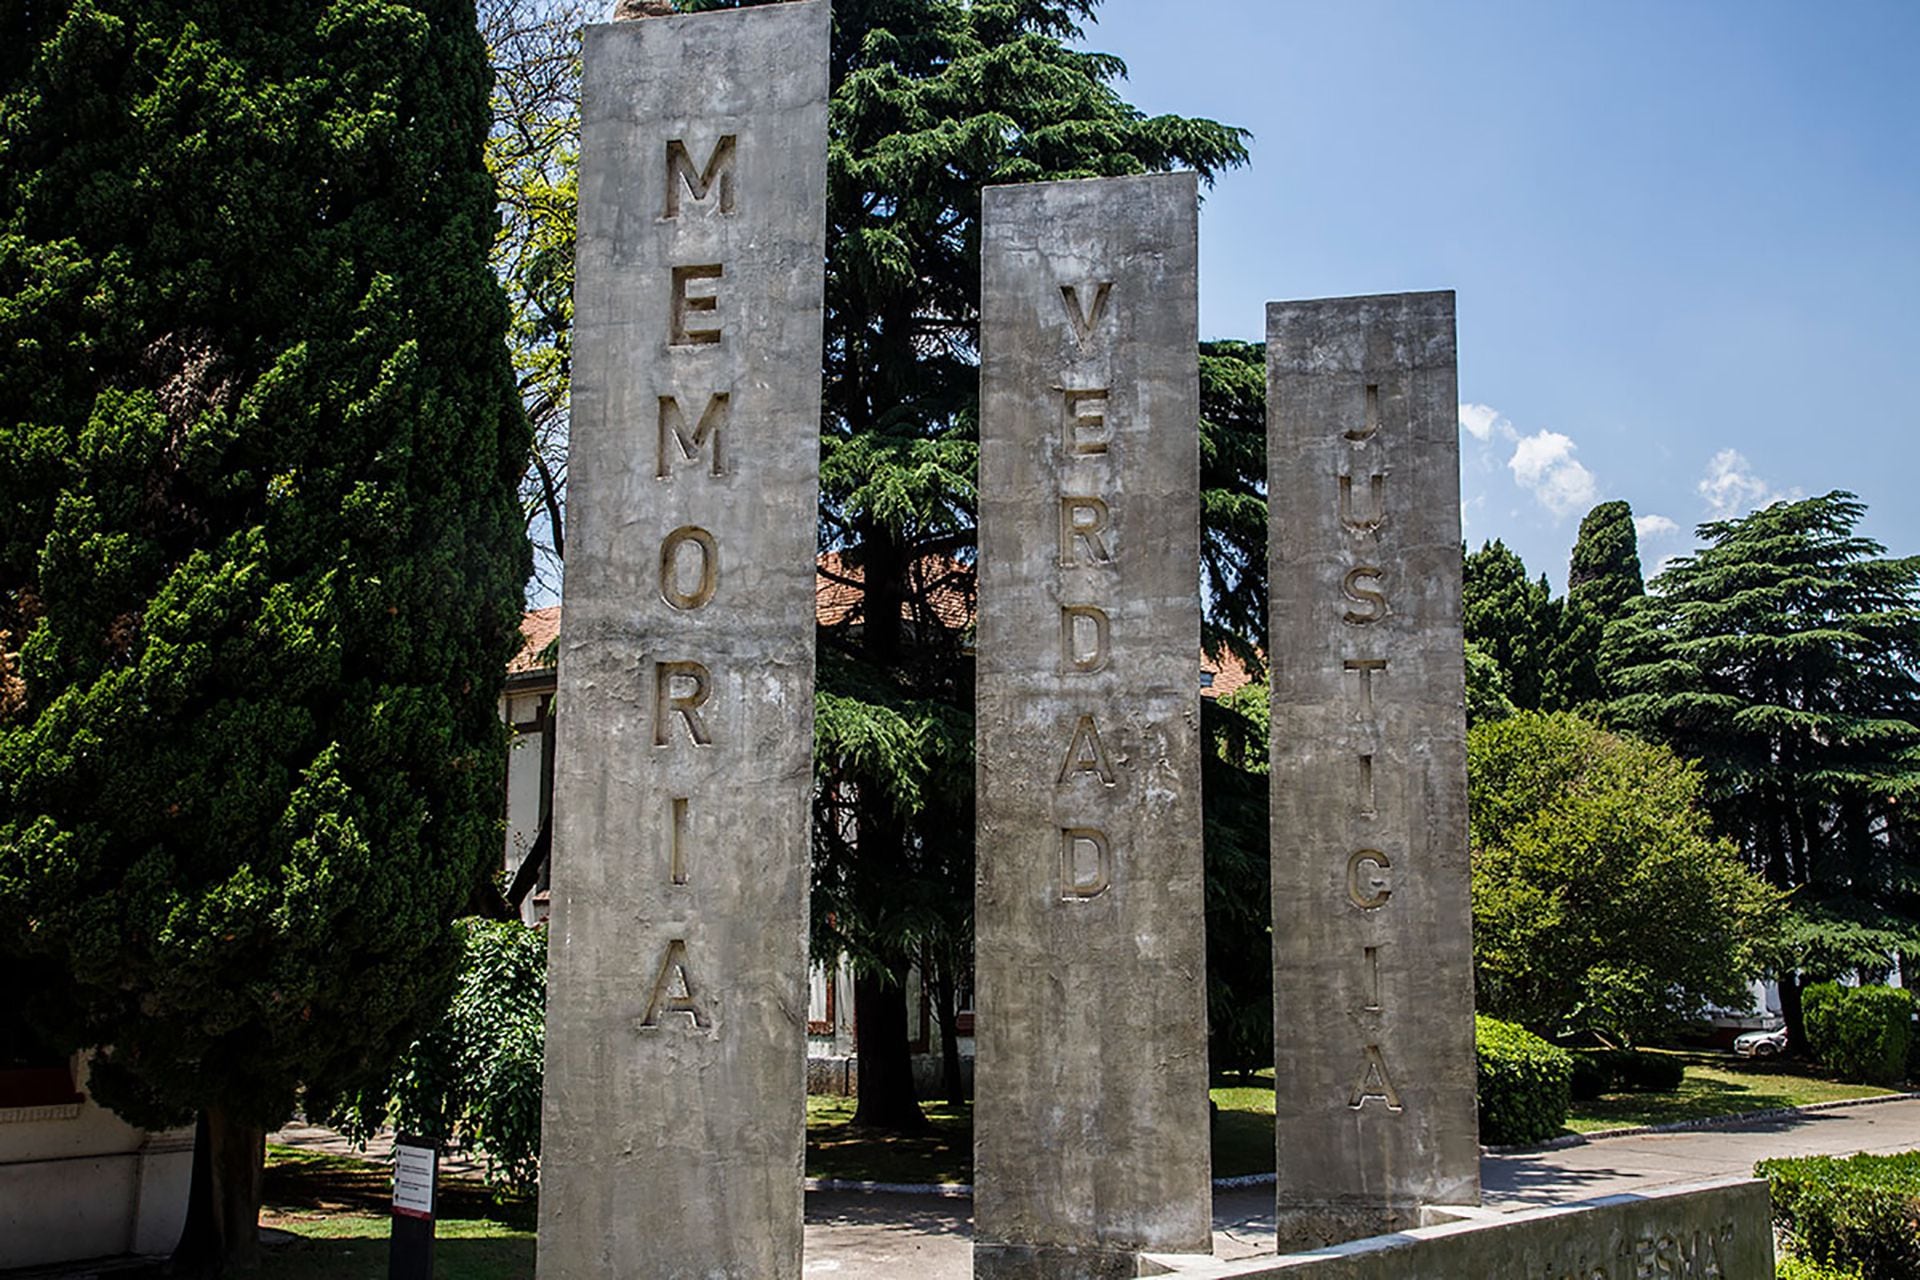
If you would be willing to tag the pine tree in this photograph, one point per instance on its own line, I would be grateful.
(260, 554)
(1782, 656)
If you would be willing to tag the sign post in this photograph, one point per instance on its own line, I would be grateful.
(416, 1171)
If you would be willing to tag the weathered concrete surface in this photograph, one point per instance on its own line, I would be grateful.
(1373, 957)
(676, 1052)
(1720, 1230)
(1090, 962)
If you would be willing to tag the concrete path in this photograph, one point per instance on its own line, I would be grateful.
(887, 1237)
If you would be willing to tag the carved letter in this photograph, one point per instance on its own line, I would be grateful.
(673, 990)
(1084, 519)
(1362, 434)
(688, 704)
(1366, 668)
(673, 432)
(1374, 1082)
(1084, 429)
(1367, 879)
(702, 541)
(1369, 799)
(1083, 321)
(1091, 652)
(1375, 601)
(1086, 864)
(1085, 754)
(677, 858)
(719, 168)
(685, 305)
(1376, 486)
(1372, 955)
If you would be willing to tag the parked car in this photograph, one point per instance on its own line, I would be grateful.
(1761, 1044)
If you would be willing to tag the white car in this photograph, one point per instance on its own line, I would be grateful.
(1761, 1044)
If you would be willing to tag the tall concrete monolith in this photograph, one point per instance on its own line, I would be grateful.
(1373, 954)
(1090, 1119)
(676, 1015)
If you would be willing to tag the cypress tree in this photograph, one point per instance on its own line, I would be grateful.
(1604, 572)
(260, 553)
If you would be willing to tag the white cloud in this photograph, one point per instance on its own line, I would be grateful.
(1480, 420)
(1543, 463)
(1731, 488)
(1654, 527)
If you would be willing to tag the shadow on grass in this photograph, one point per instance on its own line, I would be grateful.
(835, 1149)
(306, 1185)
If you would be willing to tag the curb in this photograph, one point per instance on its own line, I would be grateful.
(964, 1190)
(1707, 1122)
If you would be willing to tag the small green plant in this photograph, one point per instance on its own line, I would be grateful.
(1860, 1214)
(1862, 1033)
(1525, 1084)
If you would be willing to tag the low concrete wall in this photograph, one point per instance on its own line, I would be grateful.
(78, 1182)
(1719, 1230)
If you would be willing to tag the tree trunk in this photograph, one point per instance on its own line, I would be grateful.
(886, 1098)
(222, 1232)
(951, 1081)
(1794, 1015)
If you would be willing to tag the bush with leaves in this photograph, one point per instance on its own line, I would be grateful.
(475, 1077)
(1860, 1214)
(1602, 902)
(1861, 1033)
(1524, 1084)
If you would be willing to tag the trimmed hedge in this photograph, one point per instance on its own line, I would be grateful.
(1860, 1033)
(1598, 1071)
(1860, 1214)
(1524, 1084)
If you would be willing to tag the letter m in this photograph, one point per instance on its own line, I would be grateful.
(674, 437)
(680, 172)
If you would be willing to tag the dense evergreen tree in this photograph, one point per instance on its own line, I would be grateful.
(1604, 571)
(1601, 900)
(1782, 656)
(1514, 621)
(260, 555)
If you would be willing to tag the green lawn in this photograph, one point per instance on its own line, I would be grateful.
(1717, 1084)
(943, 1154)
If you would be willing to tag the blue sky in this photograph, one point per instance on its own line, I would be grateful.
(1683, 234)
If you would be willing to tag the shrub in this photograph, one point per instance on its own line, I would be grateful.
(1792, 1268)
(1860, 1033)
(1598, 1071)
(1524, 1084)
(1861, 1213)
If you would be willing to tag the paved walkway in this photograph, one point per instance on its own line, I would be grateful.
(885, 1237)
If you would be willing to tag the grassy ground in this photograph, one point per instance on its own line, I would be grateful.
(1717, 1084)
(337, 1211)
(943, 1154)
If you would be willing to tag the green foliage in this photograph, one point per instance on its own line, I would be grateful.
(1598, 1071)
(260, 557)
(1515, 622)
(475, 1076)
(1601, 901)
(1603, 574)
(1782, 657)
(1524, 1084)
(1788, 1267)
(1861, 1033)
(1860, 1214)
(1238, 890)
(1486, 687)
(1233, 501)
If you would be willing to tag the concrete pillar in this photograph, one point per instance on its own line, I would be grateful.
(1090, 1113)
(676, 1016)
(1373, 954)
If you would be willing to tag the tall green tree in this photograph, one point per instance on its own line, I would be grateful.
(1513, 620)
(1602, 901)
(1604, 571)
(260, 552)
(931, 101)
(1782, 657)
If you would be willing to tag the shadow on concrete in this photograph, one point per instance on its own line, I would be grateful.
(1509, 1181)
